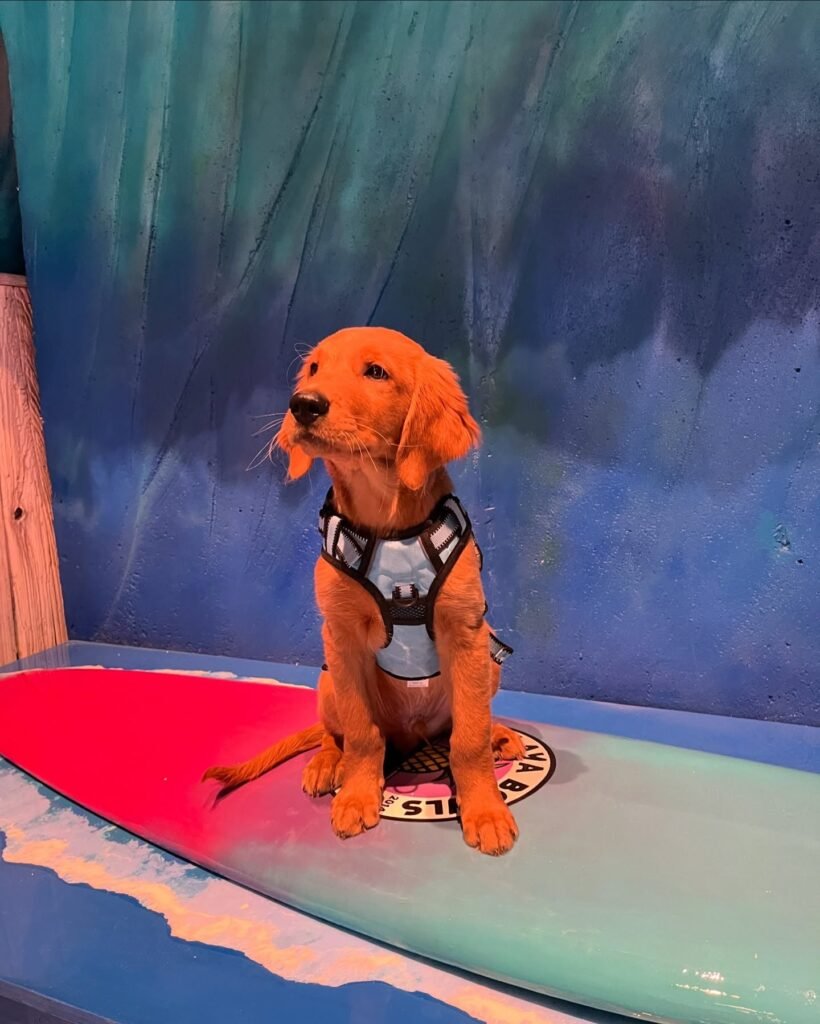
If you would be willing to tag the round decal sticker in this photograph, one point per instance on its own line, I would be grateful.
(421, 788)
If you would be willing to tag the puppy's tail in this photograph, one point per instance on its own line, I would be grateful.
(234, 775)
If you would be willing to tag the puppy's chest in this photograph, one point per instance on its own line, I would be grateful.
(416, 706)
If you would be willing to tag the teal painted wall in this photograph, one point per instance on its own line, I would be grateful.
(11, 236)
(605, 214)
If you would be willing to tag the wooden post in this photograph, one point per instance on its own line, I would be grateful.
(31, 599)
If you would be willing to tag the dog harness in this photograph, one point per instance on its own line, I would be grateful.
(404, 574)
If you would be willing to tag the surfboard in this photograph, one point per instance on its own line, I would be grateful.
(648, 880)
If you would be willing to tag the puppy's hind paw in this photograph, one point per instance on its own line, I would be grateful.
(322, 774)
(507, 744)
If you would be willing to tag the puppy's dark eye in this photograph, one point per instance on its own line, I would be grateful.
(312, 369)
(376, 372)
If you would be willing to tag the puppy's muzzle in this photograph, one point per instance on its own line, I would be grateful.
(308, 406)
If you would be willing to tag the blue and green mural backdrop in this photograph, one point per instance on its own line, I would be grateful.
(604, 214)
(11, 240)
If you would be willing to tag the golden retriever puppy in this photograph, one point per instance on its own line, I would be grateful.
(408, 653)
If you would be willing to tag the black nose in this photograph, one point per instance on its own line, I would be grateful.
(308, 406)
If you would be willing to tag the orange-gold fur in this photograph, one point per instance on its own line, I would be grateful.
(385, 443)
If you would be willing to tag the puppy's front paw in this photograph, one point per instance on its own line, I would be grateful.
(355, 809)
(488, 825)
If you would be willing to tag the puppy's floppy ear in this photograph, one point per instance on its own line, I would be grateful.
(299, 462)
(438, 428)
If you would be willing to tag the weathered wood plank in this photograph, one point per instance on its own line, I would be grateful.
(8, 641)
(31, 600)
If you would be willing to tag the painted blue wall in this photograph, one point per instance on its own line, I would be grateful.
(604, 214)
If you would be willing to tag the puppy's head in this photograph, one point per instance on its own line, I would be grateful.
(368, 393)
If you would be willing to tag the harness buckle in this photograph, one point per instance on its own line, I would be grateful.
(407, 606)
(405, 595)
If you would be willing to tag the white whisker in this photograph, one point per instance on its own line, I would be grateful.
(387, 441)
(264, 452)
(299, 359)
(273, 425)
